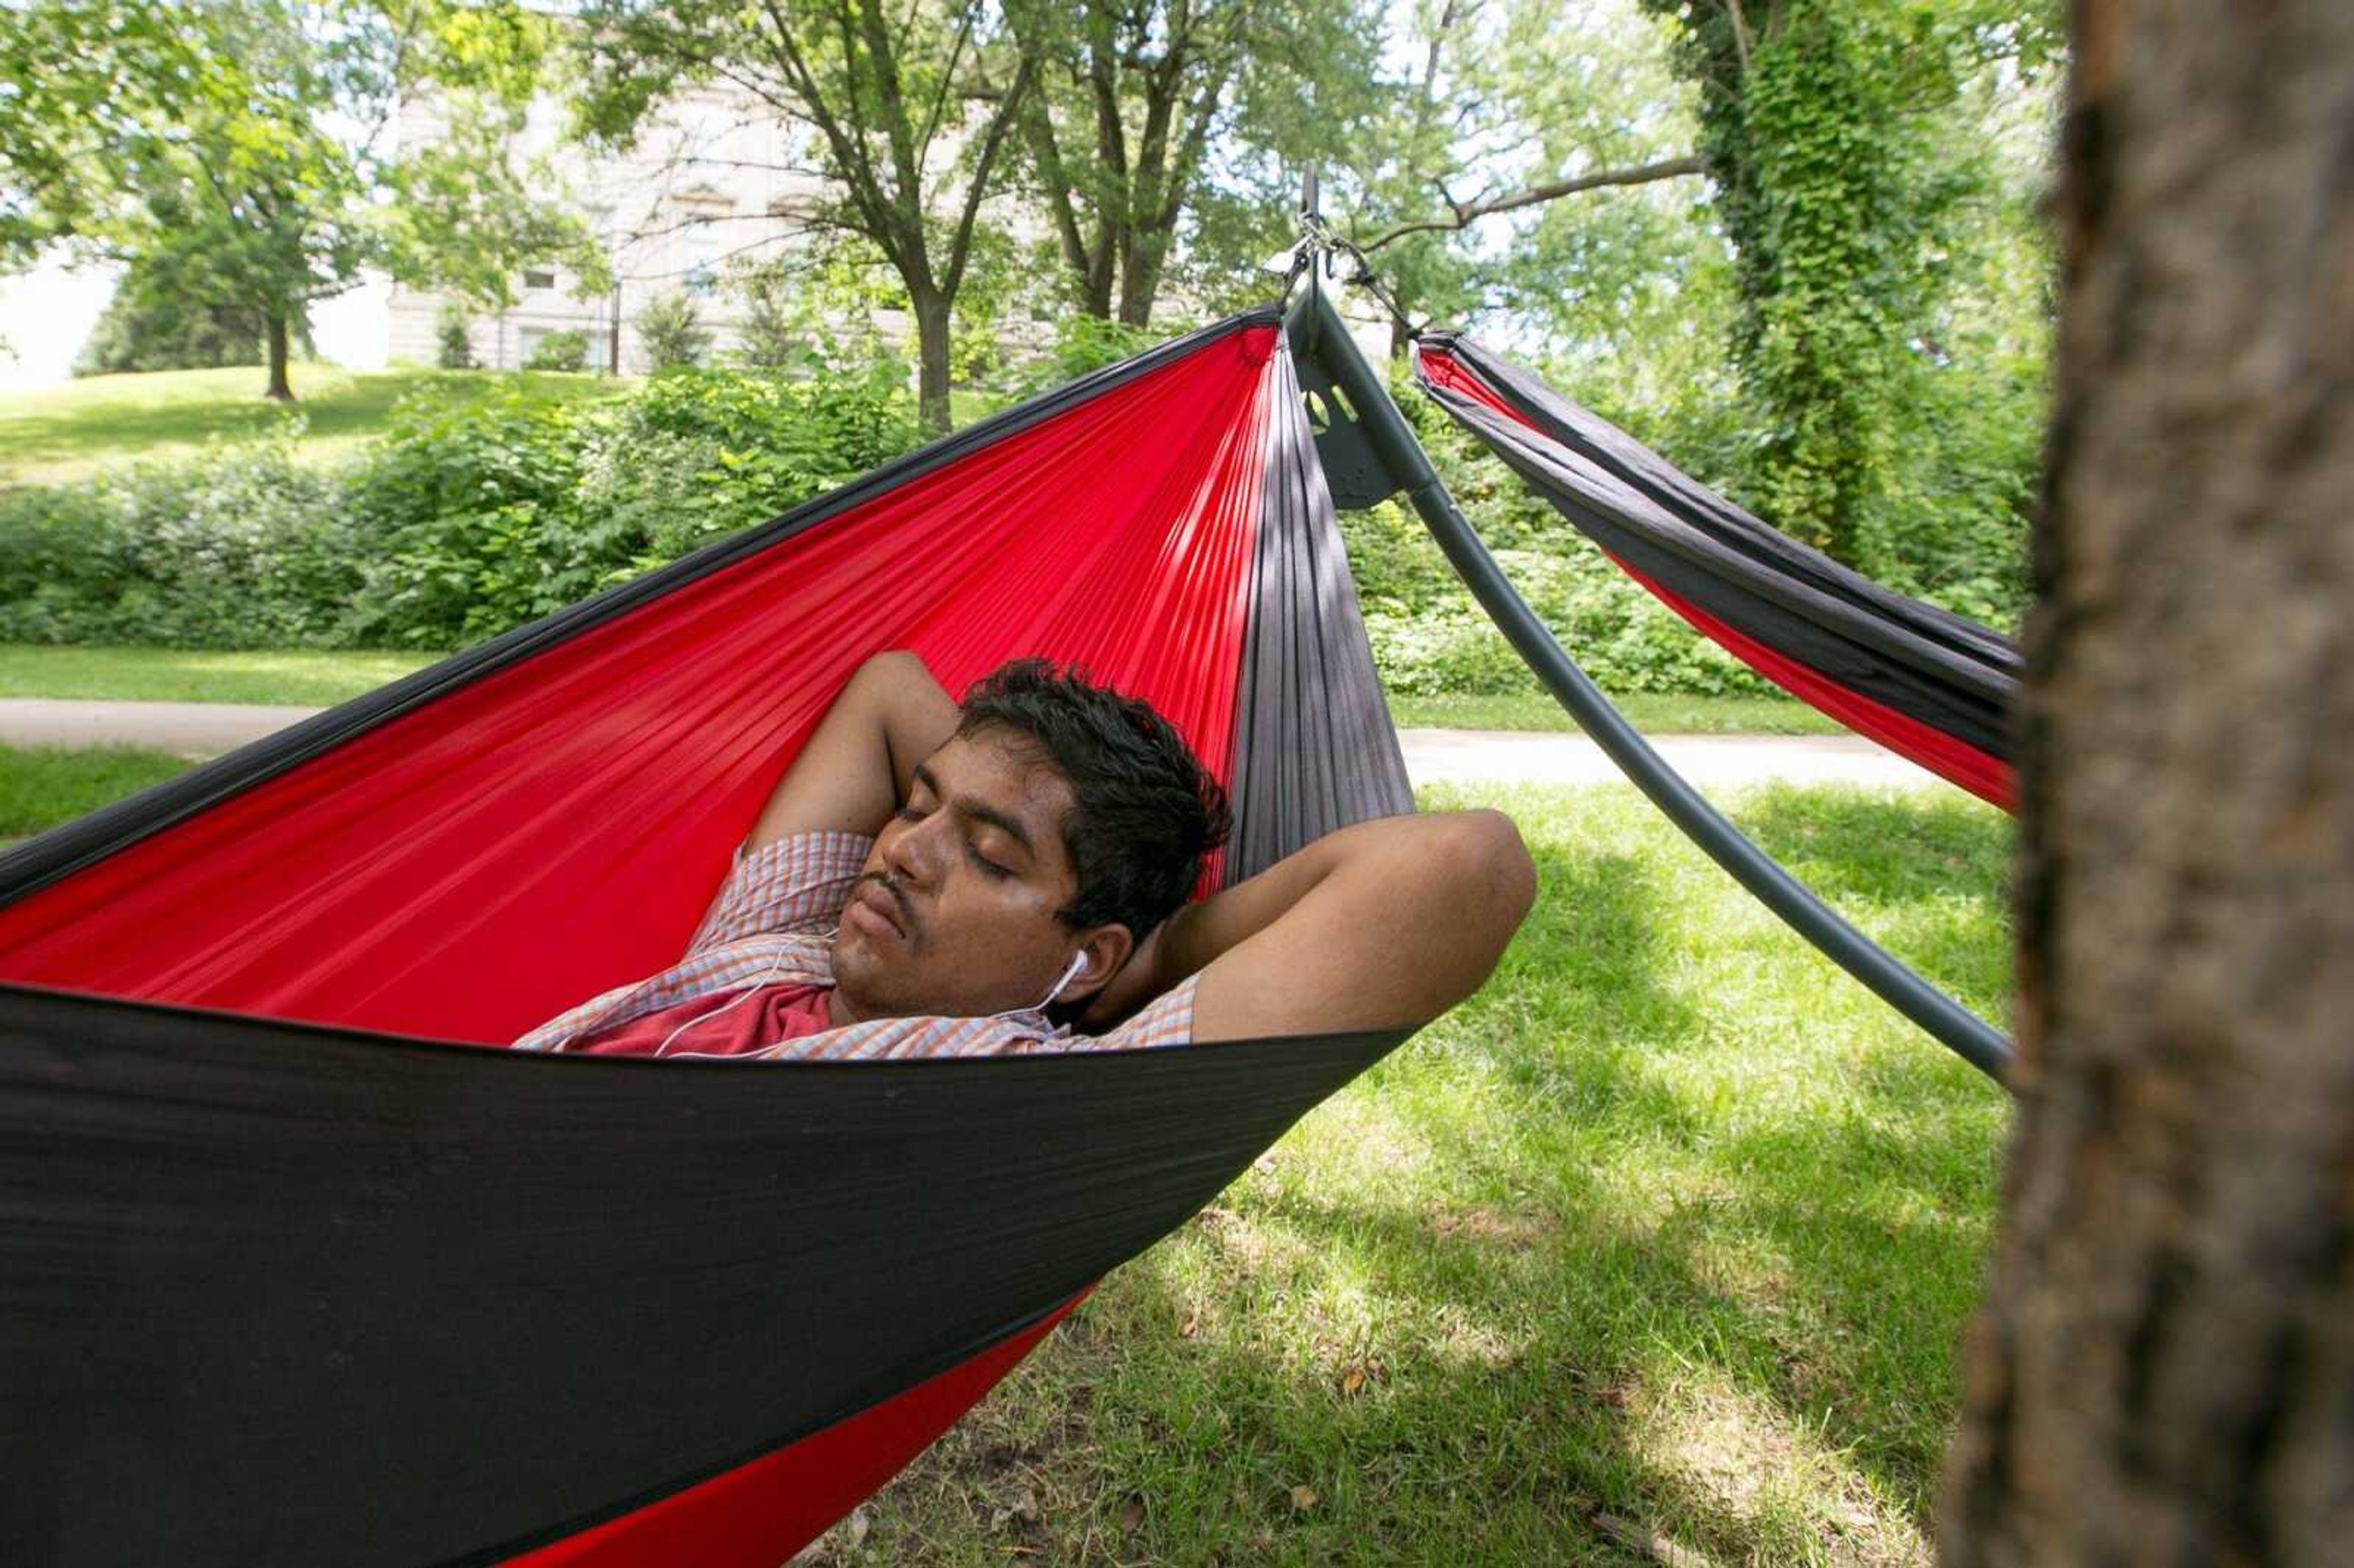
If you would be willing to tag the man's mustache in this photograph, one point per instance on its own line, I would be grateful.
(898, 895)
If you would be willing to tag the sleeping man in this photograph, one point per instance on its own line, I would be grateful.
(1010, 876)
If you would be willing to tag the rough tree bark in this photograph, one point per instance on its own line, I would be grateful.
(2163, 1373)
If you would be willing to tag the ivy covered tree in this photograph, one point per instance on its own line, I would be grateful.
(242, 147)
(1828, 130)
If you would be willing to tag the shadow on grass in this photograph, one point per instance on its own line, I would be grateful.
(1536, 1290)
(1929, 875)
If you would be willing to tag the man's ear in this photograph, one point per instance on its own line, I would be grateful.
(1106, 948)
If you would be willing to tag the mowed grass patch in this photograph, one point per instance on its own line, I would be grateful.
(1663, 1241)
(69, 431)
(43, 785)
(1650, 712)
(305, 677)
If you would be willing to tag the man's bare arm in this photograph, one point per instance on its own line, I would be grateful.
(857, 766)
(1383, 924)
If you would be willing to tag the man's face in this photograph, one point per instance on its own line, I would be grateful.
(954, 912)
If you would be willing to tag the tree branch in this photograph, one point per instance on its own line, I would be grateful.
(990, 140)
(1464, 216)
(857, 171)
(940, 98)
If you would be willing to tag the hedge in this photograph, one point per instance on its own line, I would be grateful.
(463, 521)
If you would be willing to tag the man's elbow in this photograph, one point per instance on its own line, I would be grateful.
(1494, 863)
(1479, 879)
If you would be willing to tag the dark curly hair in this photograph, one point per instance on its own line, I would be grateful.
(1147, 811)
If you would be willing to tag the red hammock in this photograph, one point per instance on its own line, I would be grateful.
(305, 1292)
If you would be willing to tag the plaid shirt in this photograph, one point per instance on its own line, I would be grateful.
(774, 924)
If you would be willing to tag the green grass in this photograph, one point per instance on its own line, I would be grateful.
(1667, 1237)
(1651, 713)
(180, 675)
(43, 785)
(68, 432)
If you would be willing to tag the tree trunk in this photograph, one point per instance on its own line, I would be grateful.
(274, 335)
(2163, 1373)
(931, 313)
(1140, 278)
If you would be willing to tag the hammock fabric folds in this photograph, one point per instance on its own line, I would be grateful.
(289, 1272)
(1928, 684)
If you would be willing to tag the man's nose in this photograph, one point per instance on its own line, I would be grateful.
(913, 853)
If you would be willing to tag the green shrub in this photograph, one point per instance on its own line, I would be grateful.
(456, 500)
(463, 520)
(240, 547)
(565, 350)
(488, 517)
(669, 331)
(1082, 343)
(457, 342)
(773, 335)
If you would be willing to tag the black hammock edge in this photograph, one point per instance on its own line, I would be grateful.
(336, 1295)
(71, 846)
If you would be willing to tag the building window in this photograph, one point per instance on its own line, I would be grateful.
(539, 277)
(699, 246)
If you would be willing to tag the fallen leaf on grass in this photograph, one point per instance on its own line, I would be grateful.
(1131, 1516)
(1303, 1497)
(1021, 1505)
(1190, 1327)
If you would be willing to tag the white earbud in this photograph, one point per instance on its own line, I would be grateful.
(1078, 962)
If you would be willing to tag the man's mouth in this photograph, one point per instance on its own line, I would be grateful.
(884, 904)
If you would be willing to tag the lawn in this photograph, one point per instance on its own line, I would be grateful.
(67, 432)
(307, 677)
(41, 787)
(1648, 711)
(1662, 1243)
(319, 678)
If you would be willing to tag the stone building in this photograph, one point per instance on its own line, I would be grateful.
(709, 182)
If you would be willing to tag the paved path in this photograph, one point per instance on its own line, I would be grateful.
(1431, 754)
(1709, 761)
(198, 729)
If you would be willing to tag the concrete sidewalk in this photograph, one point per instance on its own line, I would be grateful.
(1432, 756)
(192, 729)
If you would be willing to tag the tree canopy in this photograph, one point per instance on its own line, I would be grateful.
(242, 147)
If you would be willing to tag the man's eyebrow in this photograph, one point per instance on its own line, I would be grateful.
(980, 811)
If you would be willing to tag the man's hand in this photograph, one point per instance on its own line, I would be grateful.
(858, 765)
